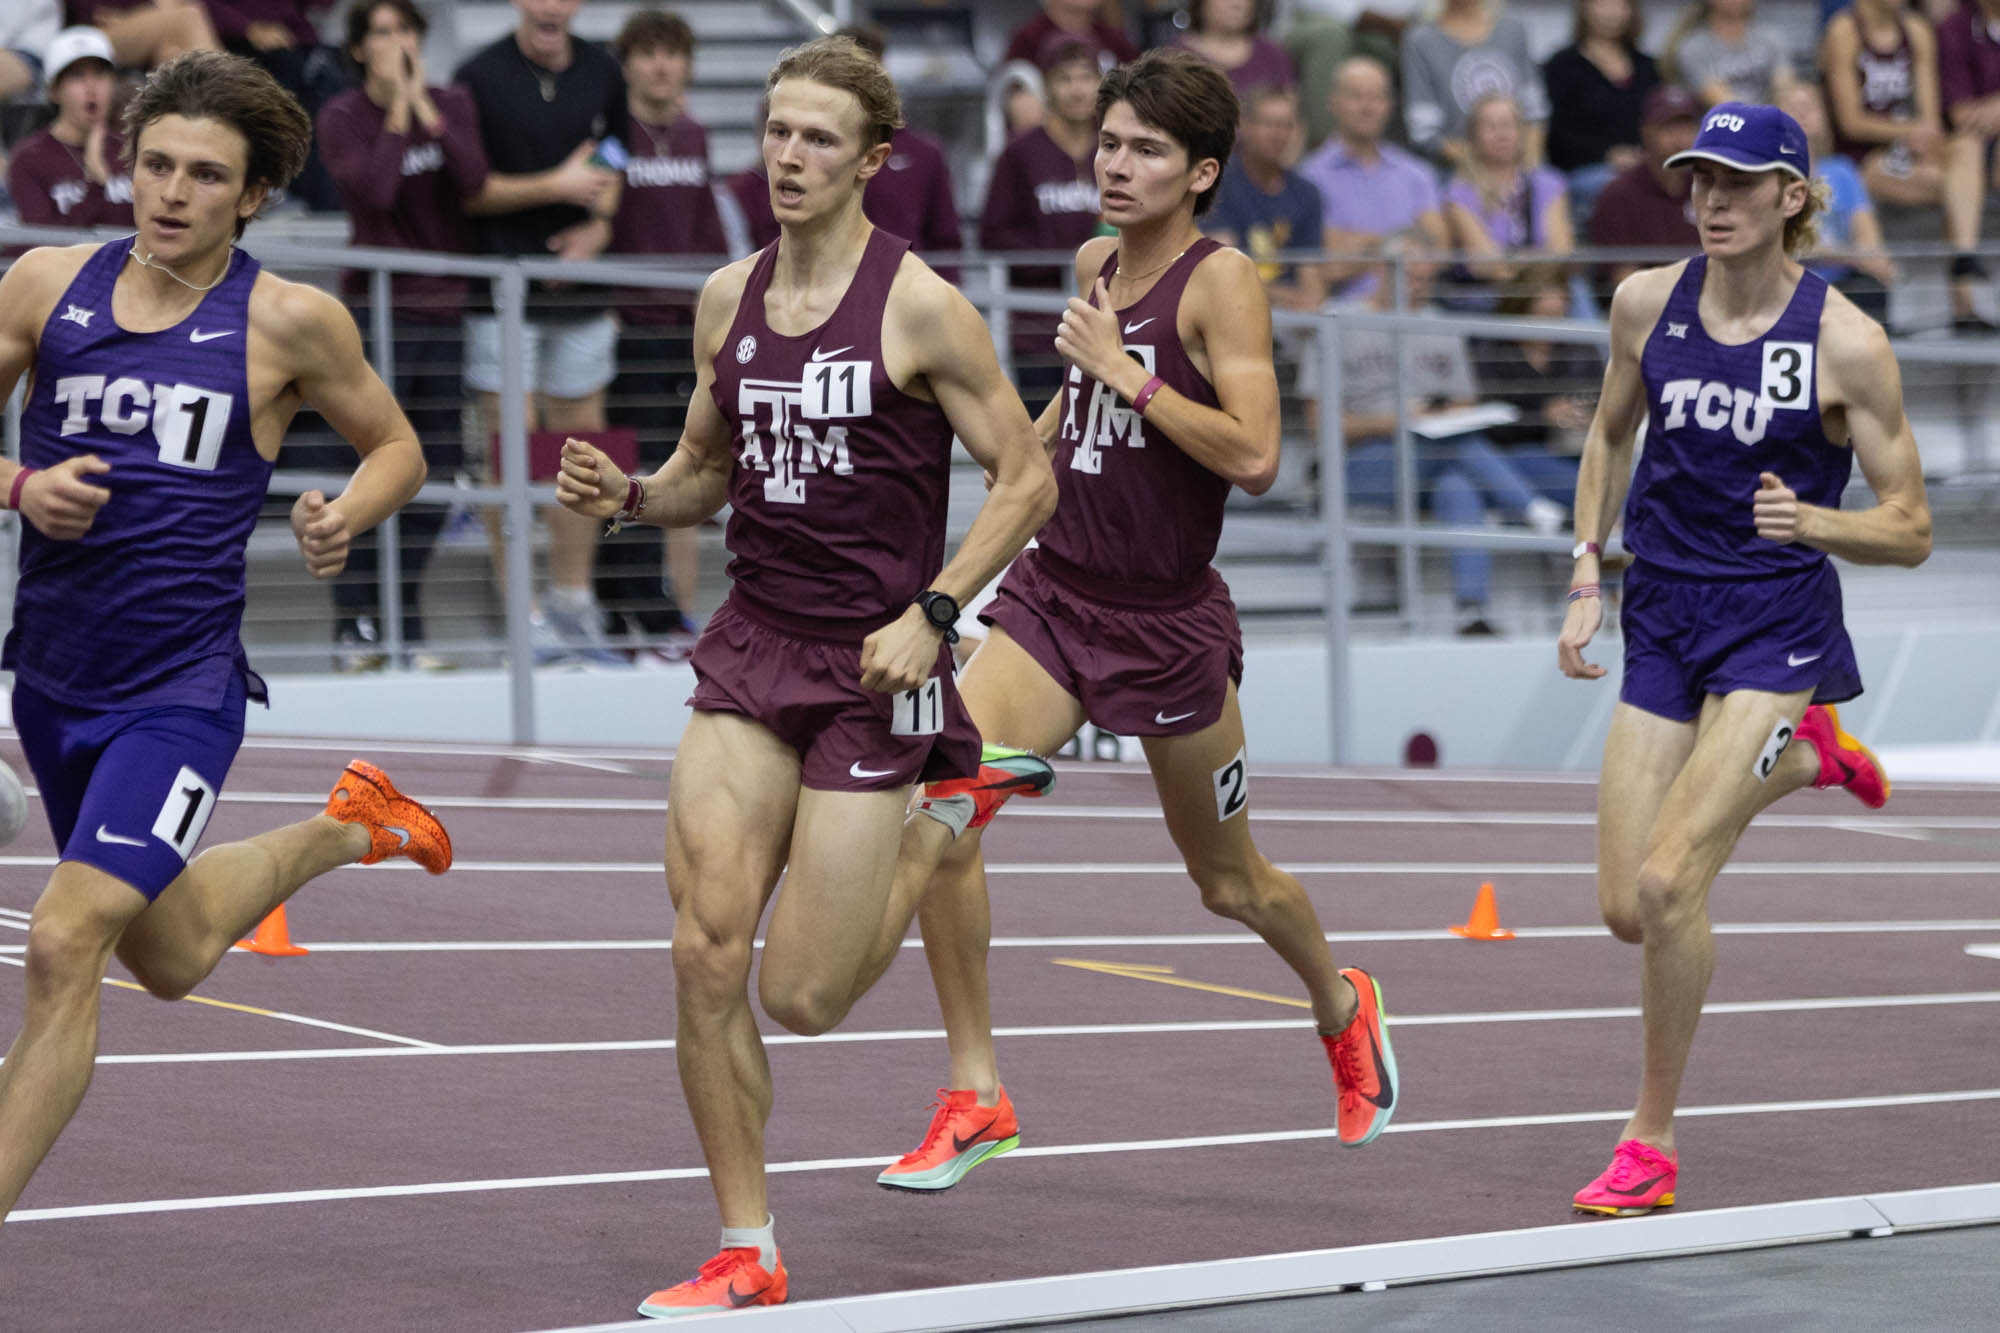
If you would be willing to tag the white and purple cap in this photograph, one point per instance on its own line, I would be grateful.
(1749, 138)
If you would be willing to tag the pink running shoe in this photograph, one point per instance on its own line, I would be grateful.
(1639, 1179)
(1843, 761)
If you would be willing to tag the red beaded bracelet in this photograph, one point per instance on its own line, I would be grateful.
(20, 480)
(1153, 386)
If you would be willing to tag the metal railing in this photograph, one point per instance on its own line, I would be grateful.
(986, 282)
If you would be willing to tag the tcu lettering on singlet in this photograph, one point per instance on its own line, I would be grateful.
(188, 422)
(1109, 422)
(1787, 386)
(828, 391)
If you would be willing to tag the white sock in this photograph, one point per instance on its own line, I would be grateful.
(762, 1239)
(954, 812)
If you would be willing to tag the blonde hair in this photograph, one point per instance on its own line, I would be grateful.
(842, 63)
(1802, 227)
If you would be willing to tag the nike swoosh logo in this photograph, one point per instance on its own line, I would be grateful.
(1385, 1094)
(960, 1145)
(1134, 328)
(858, 771)
(1787, 151)
(1163, 720)
(1637, 1189)
(1792, 659)
(197, 336)
(739, 1299)
(818, 355)
(402, 834)
(106, 835)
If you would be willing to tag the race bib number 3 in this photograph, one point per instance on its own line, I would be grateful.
(1788, 374)
(918, 712)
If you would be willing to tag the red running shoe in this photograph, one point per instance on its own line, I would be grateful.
(1364, 1066)
(731, 1280)
(962, 1135)
(969, 803)
(397, 825)
(1843, 761)
(1639, 1179)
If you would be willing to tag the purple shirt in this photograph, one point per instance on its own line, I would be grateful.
(1267, 66)
(1968, 59)
(1133, 511)
(911, 195)
(1515, 223)
(838, 494)
(668, 208)
(1382, 197)
(50, 189)
(404, 191)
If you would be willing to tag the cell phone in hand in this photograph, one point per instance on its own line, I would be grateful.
(610, 154)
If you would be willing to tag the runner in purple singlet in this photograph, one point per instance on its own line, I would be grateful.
(1761, 388)
(833, 370)
(1118, 617)
(162, 370)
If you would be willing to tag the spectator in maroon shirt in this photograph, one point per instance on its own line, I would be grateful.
(1225, 33)
(668, 209)
(1649, 202)
(1043, 195)
(1968, 57)
(145, 33)
(911, 195)
(1079, 18)
(71, 174)
(280, 35)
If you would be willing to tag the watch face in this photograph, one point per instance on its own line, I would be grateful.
(941, 610)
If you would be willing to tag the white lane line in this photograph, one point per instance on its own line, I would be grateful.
(1983, 950)
(1815, 1004)
(1431, 935)
(1043, 1150)
(607, 761)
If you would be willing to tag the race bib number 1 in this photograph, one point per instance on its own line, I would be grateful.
(183, 818)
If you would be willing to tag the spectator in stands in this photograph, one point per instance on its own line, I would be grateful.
(26, 29)
(1719, 52)
(72, 174)
(1553, 385)
(1458, 475)
(403, 154)
(1499, 205)
(1969, 89)
(1849, 253)
(1596, 87)
(749, 192)
(911, 195)
(647, 575)
(1263, 207)
(281, 36)
(1043, 196)
(1649, 203)
(145, 33)
(1371, 189)
(1470, 49)
(1079, 18)
(1229, 34)
(546, 100)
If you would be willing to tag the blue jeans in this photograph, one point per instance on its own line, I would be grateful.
(1553, 475)
(1456, 479)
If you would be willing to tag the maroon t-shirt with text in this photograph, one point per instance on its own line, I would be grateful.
(668, 208)
(1040, 198)
(911, 194)
(405, 191)
(50, 188)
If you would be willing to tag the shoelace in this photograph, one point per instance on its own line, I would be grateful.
(1634, 1160)
(940, 1121)
(1347, 1066)
(726, 1263)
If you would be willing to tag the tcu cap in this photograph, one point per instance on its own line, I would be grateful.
(1749, 138)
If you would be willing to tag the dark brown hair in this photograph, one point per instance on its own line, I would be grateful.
(841, 62)
(213, 85)
(362, 13)
(1185, 98)
(1260, 16)
(1635, 23)
(651, 29)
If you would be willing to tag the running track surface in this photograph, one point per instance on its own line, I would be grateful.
(238, 1168)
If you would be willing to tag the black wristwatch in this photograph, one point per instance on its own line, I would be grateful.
(941, 610)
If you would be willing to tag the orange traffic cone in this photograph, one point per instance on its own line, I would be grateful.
(1485, 921)
(273, 937)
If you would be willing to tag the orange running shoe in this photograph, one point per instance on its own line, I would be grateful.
(1639, 1179)
(1364, 1066)
(963, 803)
(1843, 761)
(397, 825)
(731, 1280)
(962, 1135)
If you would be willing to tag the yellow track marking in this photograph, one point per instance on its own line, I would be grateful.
(200, 999)
(1165, 976)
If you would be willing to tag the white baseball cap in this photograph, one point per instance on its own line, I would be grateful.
(74, 44)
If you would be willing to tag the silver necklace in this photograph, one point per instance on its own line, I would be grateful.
(145, 261)
(544, 78)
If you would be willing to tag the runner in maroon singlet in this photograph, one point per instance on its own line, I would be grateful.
(1118, 617)
(834, 369)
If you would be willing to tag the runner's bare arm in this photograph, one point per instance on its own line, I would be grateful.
(694, 482)
(1605, 470)
(954, 353)
(1232, 322)
(1857, 364)
(60, 501)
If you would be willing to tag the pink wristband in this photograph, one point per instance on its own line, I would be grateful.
(1153, 386)
(20, 480)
